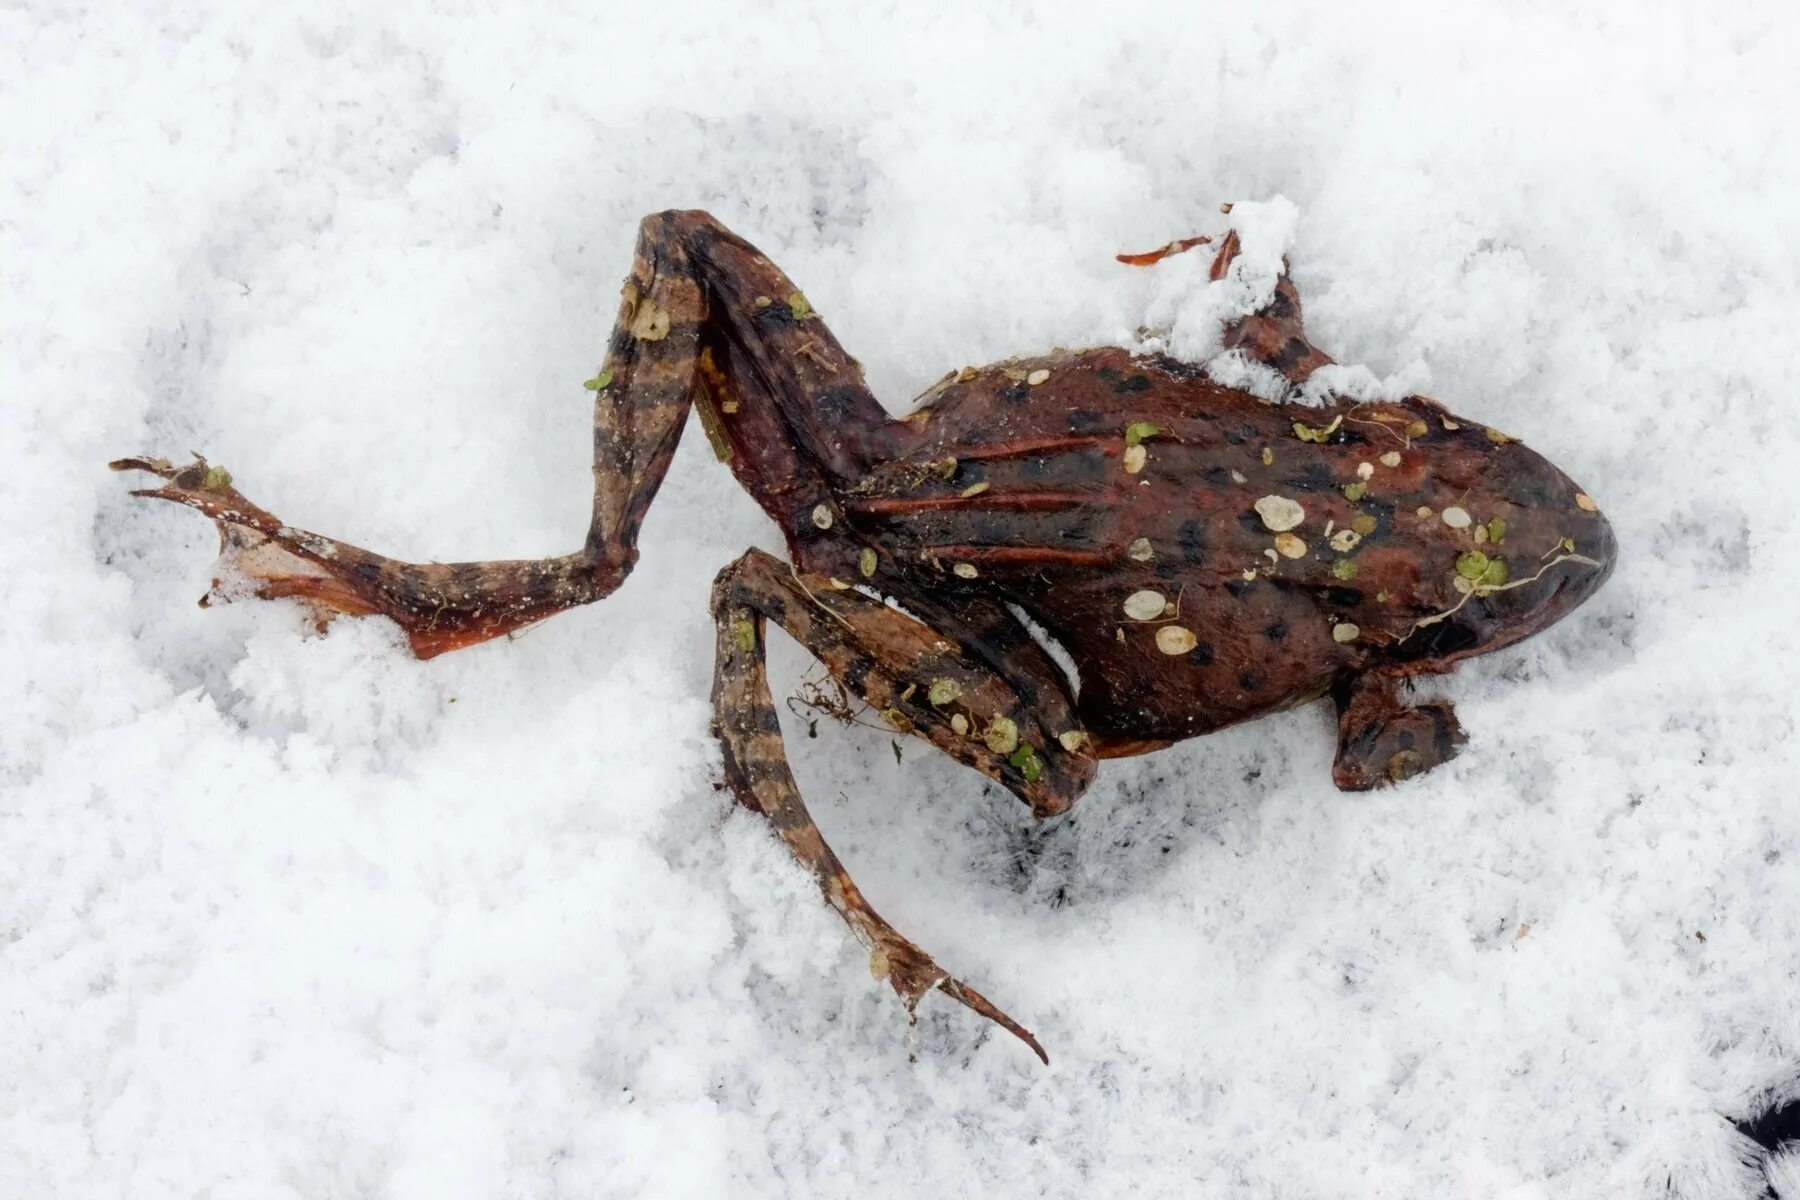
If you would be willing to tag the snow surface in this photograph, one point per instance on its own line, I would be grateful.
(291, 916)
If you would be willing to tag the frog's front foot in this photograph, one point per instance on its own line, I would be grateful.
(1382, 740)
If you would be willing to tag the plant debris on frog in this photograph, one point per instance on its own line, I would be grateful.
(1204, 556)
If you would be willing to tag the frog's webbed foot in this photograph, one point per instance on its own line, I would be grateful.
(1382, 740)
(922, 683)
(441, 606)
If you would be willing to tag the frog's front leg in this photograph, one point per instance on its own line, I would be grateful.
(1381, 739)
(922, 683)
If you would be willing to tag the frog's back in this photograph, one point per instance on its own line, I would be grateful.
(1205, 555)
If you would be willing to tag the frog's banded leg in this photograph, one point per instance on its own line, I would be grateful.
(922, 683)
(1382, 739)
(1272, 335)
(702, 312)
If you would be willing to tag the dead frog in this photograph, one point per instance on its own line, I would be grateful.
(1204, 556)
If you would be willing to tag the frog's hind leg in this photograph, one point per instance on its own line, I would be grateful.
(702, 314)
(1382, 739)
(922, 683)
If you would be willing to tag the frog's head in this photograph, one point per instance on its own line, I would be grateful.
(1548, 550)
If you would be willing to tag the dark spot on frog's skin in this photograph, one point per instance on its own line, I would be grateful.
(1236, 587)
(1290, 354)
(1192, 540)
(621, 342)
(856, 674)
(1175, 368)
(775, 316)
(1084, 465)
(1434, 641)
(1281, 307)
(1405, 739)
(1218, 476)
(1250, 521)
(1344, 597)
(774, 608)
(1275, 630)
(1016, 393)
(1531, 489)
(1133, 383)
(1314, 476)
(1249, 680)
(841, 404)
(1201, 655)
(1084, 421)
(1034, 468)
(768, 720)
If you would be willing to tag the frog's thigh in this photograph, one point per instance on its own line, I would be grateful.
(961, 686)
(1381, 739)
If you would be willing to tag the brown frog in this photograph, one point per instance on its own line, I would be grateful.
(1201, 556)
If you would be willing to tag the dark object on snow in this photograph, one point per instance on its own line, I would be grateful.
(1204, 556)
(1775, 1129)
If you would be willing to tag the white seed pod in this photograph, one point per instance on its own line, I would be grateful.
(1280, 513)
(1145, 605)
(965, 570)
(1344, 631)
(1344, 540)
(1135, 457)
(1036, 377)
(959, 725)
(1456, 517)
(1140, 551)
(1173, 640)
(1072, 740)
(1391, 459)
(1365, 470)
(822, 517)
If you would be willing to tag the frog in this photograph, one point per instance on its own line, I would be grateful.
(1049, 562)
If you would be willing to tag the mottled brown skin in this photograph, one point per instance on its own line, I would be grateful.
(1058, 486)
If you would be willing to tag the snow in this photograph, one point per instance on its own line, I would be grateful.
(293, 916)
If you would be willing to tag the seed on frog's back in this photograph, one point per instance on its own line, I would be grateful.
(821, 516)
(1280, 513)
(1145, 605)
(1140, 550)
(1135, 457)
(1456, 517)
(1391, 459)
(1290, 546)
(1173, 640)
(1036, 377)
(1344, 631)
(965, 570)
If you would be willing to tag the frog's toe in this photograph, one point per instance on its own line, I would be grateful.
(1395, 745)
(912, 974)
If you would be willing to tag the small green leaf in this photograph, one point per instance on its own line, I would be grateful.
(745, 633)
(1495, 574)
(942, 692)
(1496, 530)
(1355, 491)
(1472, 565)
(1138, 431)
(1032, 769)
(1344, 569)
(600, 382)
(799, 307)
(1024, 754)
(215, 479)
(1308, 433)
(1364, 524)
